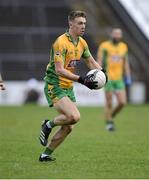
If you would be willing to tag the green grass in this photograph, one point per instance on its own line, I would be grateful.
(89, 152)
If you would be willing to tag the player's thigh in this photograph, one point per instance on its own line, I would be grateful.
(109, 92)
(68, 108)
(53, 93)
(121, 96)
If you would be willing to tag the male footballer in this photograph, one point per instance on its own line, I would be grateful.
(113, 57)
(66, 51)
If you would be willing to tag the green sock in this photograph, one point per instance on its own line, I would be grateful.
(52, 124)
(48, 151)
(109, 121)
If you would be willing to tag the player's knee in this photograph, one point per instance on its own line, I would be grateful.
(122, 103)
(109, 104)
(74, 118)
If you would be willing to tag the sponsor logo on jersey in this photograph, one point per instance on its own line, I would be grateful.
(72, 63)
(116, 58)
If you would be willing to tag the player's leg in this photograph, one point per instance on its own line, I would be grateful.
(108, 106)
(120, 93)
(60, 136)
(108, 111)
(121, 99)
(56, 140)
(58, 97)
(68, 109)
(69, 115)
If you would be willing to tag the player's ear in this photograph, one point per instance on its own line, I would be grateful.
(70, 24)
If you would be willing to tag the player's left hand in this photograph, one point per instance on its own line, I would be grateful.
(128, 81)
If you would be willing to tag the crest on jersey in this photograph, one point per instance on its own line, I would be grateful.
(57, 53)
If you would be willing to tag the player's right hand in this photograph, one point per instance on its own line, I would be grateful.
(128, 80)
(88, 81)
(2, 86)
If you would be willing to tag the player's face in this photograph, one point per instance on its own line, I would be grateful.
(78, 26)
(116, 35)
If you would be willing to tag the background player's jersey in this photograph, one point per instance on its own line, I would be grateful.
(113, 57)
(68, 52)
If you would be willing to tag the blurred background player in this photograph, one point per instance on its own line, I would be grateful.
(113, 56)
(2, 85)
(66, 51)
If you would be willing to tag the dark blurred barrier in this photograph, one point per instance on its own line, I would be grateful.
(28, 28)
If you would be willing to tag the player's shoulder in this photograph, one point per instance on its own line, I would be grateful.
(83, 41)
(60, 41)
(105, 44)
(124, 44)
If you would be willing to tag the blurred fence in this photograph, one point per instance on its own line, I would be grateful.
(16, 93)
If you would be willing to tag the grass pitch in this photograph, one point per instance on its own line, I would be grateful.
(89, 152)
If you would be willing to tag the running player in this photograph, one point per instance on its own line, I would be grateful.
(113, 57)
(66, 51)
(2, 85)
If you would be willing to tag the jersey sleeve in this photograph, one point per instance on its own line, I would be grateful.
(86, 53)
(102, 55)
(59, 51)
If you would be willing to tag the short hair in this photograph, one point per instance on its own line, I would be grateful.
(116, 29)
(74, 14)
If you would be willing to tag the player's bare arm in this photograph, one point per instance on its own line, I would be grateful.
(60, 70)
(127, 72)
(99, 61)
(127, 68)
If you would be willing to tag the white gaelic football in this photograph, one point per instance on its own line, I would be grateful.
(98, 76)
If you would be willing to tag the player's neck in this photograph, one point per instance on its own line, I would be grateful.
(73, 35)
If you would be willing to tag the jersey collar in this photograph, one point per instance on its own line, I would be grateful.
(71, 38)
